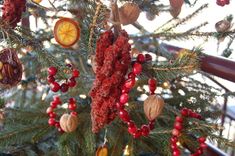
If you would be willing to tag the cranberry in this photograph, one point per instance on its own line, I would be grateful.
(50, 79)
(64, 87)
(55, 87)
(52, 71)
(137, 68)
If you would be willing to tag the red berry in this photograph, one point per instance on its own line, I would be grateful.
(176, 152)
(132, 129)
(51, 121)
(131, 75)
(52, 71)
(55, 87)
(131, 123)
(72, 82)
(199, 151)
(49, 110)
(137, 68)
(72, 100)
(124, 98)
(203, 145)
(145, 130)
(74, 113)
(72, 106)
(151, 125)
(50, 79)
(148, 57)
(56, 99)
(178, 126)
(174, 147)
(184, 112)
(125, 90)
(152, 82)
(199, 117)
(137, 134)
(174, 140)
(129, 83)
(201, 139)
(179, 119)
(57, 125)
(152, 89)
(52, 115)
(53, 104)
(119, 106)
(64, 87)
(60, 130)
(123, 114)
(76, 73)
(140, 58)
(175, 132)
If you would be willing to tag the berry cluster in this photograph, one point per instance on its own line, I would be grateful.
(127, 86)
(113, 60)
(178, 127)
(55, 86)
(12, 11)
(223, 2)
(51, 113)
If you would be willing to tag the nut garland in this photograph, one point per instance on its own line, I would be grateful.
(129, 83)
(112, 61)
(68, 122)
(10, 68)
(178, 127)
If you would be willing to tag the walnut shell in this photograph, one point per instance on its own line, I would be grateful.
(222, 26)
(68, 122)
(129, 13)
(153, 106)
(176, 4)
(11, 68)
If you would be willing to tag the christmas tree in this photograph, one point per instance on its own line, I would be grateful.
(80, 84)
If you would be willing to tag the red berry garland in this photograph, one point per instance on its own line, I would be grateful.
(55, 86)
(178, 126)
(129, 83)
(53, 105)
(222, 2)
(12, 11)
(112, 61)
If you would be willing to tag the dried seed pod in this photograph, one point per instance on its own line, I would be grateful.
(175, 12)
(222, 26)
(150, 16)
(10, 68)
(69, 122)
(129, 13)
(153, 106)
(176, 4)
(102, 151)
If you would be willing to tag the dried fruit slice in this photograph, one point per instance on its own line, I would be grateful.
(66, 32)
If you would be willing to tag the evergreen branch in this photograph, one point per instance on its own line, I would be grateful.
(181, 21)
(93, 25)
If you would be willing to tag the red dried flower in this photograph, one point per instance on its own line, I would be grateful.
(113, 60)
(12, 11)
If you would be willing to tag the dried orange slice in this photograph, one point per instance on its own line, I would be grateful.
(66, 32)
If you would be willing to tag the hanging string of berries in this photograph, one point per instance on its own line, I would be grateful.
(112, 61)
(55, 86)
(178, 127)
(68, 122)
(12, 11)
(152, 106)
